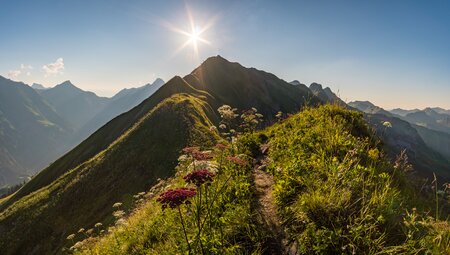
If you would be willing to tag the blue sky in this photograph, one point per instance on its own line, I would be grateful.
(393, 53)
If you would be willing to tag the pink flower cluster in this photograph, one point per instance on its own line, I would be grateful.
(175, 197)
(197, 154)
(237, 160)
(220, 146)
(198, 177)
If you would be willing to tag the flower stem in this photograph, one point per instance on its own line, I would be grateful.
(199, 209)
(184, 230)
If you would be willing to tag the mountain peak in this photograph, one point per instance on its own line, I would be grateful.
(367, 103)
(296, 83)
(214, 60)
(66, 84)
(38, 86)
(315, 86)
(158, 82)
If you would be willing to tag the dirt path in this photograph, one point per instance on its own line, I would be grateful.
(276, 243)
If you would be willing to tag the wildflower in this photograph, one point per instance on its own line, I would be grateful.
(205, 164)
(373, 154)
(190, 150)
(402, 162)
(98, 225)
(81, 230)
(387, 124)
(226, 112)
(117, 205)
(175, 197)
(221, 146)
(237, 160)
(70, 237)
(89, 231)
(213, 128)
(232, 131)
(199, 177)
(102, 231)
(121, 222)
(202, 155)
(222, 126)
(118, 214)
(279, 115)
(182, 158)
(76, 246)
(141, 193)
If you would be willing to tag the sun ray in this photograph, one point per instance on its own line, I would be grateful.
(194, 33)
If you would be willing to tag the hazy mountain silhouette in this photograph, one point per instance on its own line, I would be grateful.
(38, 86)
(402, 112)
(75, 105)
(368, 107)
(432, 118)
(122, 102)
(31, 132)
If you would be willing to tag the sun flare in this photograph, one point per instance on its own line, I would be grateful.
(194, 35)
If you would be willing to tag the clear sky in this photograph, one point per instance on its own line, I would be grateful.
(393, 53)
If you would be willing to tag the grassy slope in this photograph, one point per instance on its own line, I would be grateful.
(334, 191)
(84, 195)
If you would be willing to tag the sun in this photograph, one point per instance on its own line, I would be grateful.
(194, 35)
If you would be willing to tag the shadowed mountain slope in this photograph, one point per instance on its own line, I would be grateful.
(31, 132)
(438, 141)
(326, 94)
(243, 88)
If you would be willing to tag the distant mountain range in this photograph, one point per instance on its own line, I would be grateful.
(428, 126)
(123, 101)
(38, 124)
(73, 104)
(432, 118)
